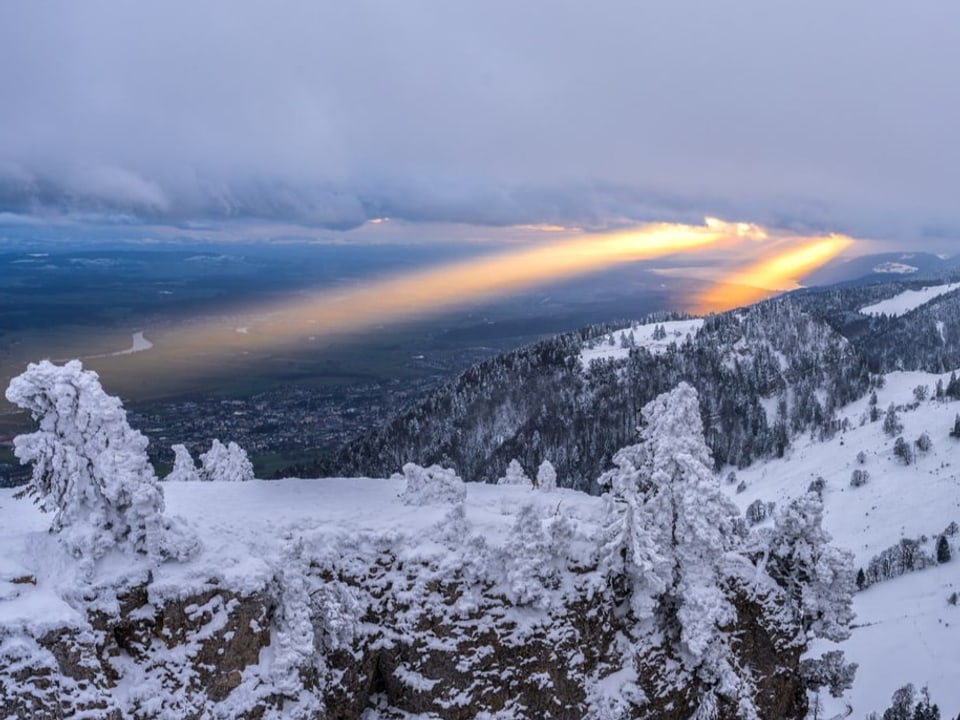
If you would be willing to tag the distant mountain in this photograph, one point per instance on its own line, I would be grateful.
(882, 266)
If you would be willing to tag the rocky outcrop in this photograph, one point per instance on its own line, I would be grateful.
(331, 639)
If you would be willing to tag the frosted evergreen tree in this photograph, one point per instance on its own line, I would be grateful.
(225, 463)
(943, 549)
(546, 476)
(515, 475)
(528, 559)
(818, 578)
(673, 527)
(90, 468)
(184, 469)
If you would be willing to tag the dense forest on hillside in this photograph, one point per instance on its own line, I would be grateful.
(764, 373)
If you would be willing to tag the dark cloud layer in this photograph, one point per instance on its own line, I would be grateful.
(838, 116)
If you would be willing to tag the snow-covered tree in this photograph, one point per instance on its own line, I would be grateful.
(515, 475)
(184, 469)
(90, 468)
(432, 485)
(673, 527)
(528, 556)
(818, 578)
(891, 421)
(546, 476)
(902, 450)
(943, 549)
(225, 462)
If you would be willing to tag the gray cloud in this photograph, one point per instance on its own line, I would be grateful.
(817, 114)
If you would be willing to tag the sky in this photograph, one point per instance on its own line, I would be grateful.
(814, 118)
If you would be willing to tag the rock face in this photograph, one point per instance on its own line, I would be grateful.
(336, 639)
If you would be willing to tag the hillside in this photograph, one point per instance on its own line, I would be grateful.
(764, 374)
(905, 630)
(695, 583)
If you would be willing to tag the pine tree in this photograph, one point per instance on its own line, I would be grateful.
(861, 579)
(943, 549)
(955, 433)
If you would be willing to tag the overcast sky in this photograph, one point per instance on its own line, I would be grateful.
(814, 115)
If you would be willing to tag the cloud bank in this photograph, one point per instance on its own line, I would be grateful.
(813, 116)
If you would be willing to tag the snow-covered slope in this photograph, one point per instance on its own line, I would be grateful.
(907, 631)
(908, 300)
(618, 343)
(244, 528)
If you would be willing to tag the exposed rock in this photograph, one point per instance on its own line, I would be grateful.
(421, 644)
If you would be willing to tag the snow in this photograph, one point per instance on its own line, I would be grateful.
(245, 527)
(908, 300)
(895, 268)
(905, 629)
(676, 332)
(906, 632)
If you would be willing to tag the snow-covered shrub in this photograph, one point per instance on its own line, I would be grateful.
(225, 463)
(861, 458)
(90, 468)
(184, 469)
(756, 512)
(515, 475)
(905, 556)
(546, 476)
(817, 485)
(891, 421)
(924, 443)
(432, 485)
(859, 478)
(902, 450)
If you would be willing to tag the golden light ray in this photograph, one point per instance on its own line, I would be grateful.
(207, 348)
(780, 272)
(330, 312)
